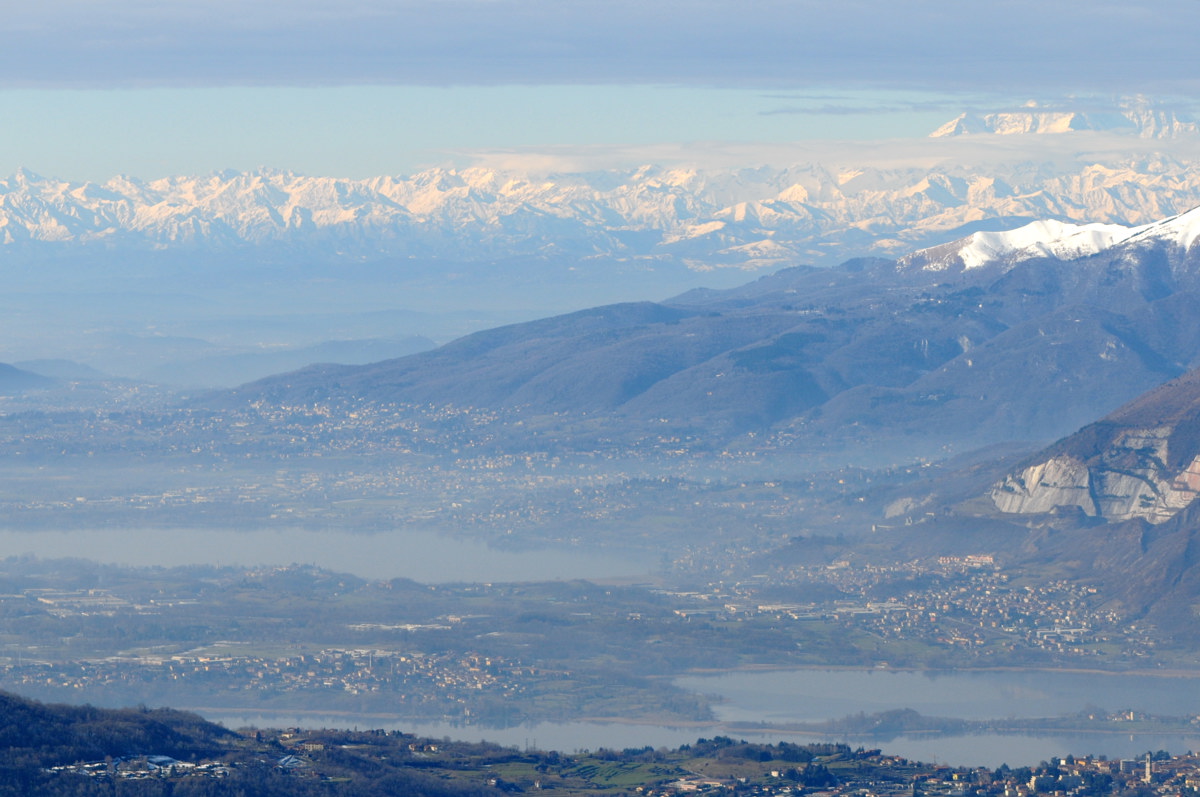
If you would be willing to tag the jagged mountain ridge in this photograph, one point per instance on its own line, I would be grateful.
(748, 218)
(1026, 346)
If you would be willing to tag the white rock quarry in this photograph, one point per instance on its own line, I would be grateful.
(1131, 481)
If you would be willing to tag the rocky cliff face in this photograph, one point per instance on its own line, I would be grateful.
(1130, 480)
(1141, 462)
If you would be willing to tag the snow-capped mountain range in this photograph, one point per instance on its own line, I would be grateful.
(747, 218)
(1055, 239)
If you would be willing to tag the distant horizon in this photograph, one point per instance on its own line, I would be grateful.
(360, 131)
(837, 129)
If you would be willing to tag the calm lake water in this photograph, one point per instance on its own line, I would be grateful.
(814, 695)
(780, 697)
(419, 555)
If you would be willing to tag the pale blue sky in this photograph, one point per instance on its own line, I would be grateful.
(91, 88)
(360, 131)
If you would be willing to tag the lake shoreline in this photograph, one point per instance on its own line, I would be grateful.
(731, 727)
(762, 668)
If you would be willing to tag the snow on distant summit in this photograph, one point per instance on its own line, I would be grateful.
(1047, 238)
(749, 219)
(1042, 238)
(1057, 240)
(1136, 116)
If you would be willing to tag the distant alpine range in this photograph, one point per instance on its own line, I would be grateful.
(751, 218)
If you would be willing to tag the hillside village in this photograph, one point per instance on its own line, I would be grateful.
(721, 766)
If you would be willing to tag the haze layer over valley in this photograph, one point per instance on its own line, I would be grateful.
(814, 428)
(594, 373)
(750, 420)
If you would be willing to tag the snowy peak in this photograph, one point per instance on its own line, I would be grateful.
(752, 218)
(1009, 123)
(1042, 239)
(1135, 116)
(1050, 238)
(1180, 231)
(1057, 240)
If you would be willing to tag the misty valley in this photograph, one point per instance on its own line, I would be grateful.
(822, 505)
(602, 398)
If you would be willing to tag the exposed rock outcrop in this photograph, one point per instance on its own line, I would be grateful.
(1142, 461)
(1130, 480)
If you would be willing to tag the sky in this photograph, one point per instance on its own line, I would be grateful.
(94, 88)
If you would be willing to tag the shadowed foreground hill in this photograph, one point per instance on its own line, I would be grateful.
(45, 735)
(374, 762)
(36, 737)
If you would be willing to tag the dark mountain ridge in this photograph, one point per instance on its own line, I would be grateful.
(924, 352)
(16, 380)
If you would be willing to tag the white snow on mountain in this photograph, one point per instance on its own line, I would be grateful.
(1054, 239)
(1135, 116)
(1180, 231)
(1042, 239)
(749, 218)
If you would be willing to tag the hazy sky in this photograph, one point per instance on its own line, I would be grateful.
(91, 88)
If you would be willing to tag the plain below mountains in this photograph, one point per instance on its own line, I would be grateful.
(1024, 335)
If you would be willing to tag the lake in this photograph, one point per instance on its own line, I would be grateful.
(815, 695)
(420, 555)
(791, 696)
(781, 697)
